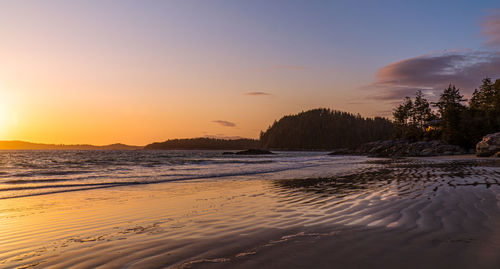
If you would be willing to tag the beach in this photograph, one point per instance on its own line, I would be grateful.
(330, 212)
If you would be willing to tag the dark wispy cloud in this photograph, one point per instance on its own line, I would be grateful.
(491, 29)
(225, 123)
(432, 73)
(256, 93)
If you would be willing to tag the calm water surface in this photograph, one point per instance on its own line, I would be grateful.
(24, 173)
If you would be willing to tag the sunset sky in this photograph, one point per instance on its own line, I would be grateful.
(135, 72)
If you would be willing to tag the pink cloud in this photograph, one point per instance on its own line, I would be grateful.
(432, 73)
(491, 29)
(257, 93)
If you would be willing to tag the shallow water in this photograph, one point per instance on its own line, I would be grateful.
(25, 173)
(320, 212)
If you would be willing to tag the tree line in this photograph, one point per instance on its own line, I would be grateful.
(205, 143)
(323, 129)
(452, 118)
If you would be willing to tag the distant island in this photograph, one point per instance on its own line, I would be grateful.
(205, 143)
(22, 145)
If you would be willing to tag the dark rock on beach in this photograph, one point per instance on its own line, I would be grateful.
(403, 148)
(249, 152)
(489, 146)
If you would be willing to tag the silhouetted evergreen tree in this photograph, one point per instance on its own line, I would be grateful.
(484, 98)
(422, 112)
(485, 109)
(403, 112)
(411, 118)
(451, 111)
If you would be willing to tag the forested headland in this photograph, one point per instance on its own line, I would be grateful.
(324, 129)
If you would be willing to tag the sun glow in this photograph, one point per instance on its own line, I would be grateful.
(2, 121)
(4, 117)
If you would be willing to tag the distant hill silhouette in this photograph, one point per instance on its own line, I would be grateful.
(325, 129)
(205, 143)
(22, 145)
(317, 129)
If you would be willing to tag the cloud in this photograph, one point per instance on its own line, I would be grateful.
(491, 29)
(256, 93)
(225, 123)
(433, 73)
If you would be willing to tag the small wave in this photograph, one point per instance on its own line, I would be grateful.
(27, 181)
(36, 173)
(50, 173)
(86, 186)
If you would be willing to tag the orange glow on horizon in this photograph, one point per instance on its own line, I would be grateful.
(110, 111)
(64, 80)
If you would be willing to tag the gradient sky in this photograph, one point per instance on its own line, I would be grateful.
(141, 71)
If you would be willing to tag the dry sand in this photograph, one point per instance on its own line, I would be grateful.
(405, 213)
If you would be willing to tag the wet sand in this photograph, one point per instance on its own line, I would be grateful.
(411, 213)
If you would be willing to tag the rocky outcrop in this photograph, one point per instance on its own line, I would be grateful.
(403, 148)
(489, 146)
(250, 152)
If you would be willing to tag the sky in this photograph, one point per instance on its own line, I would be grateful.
(135, 72)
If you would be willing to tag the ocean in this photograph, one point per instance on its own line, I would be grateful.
(28, 173)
